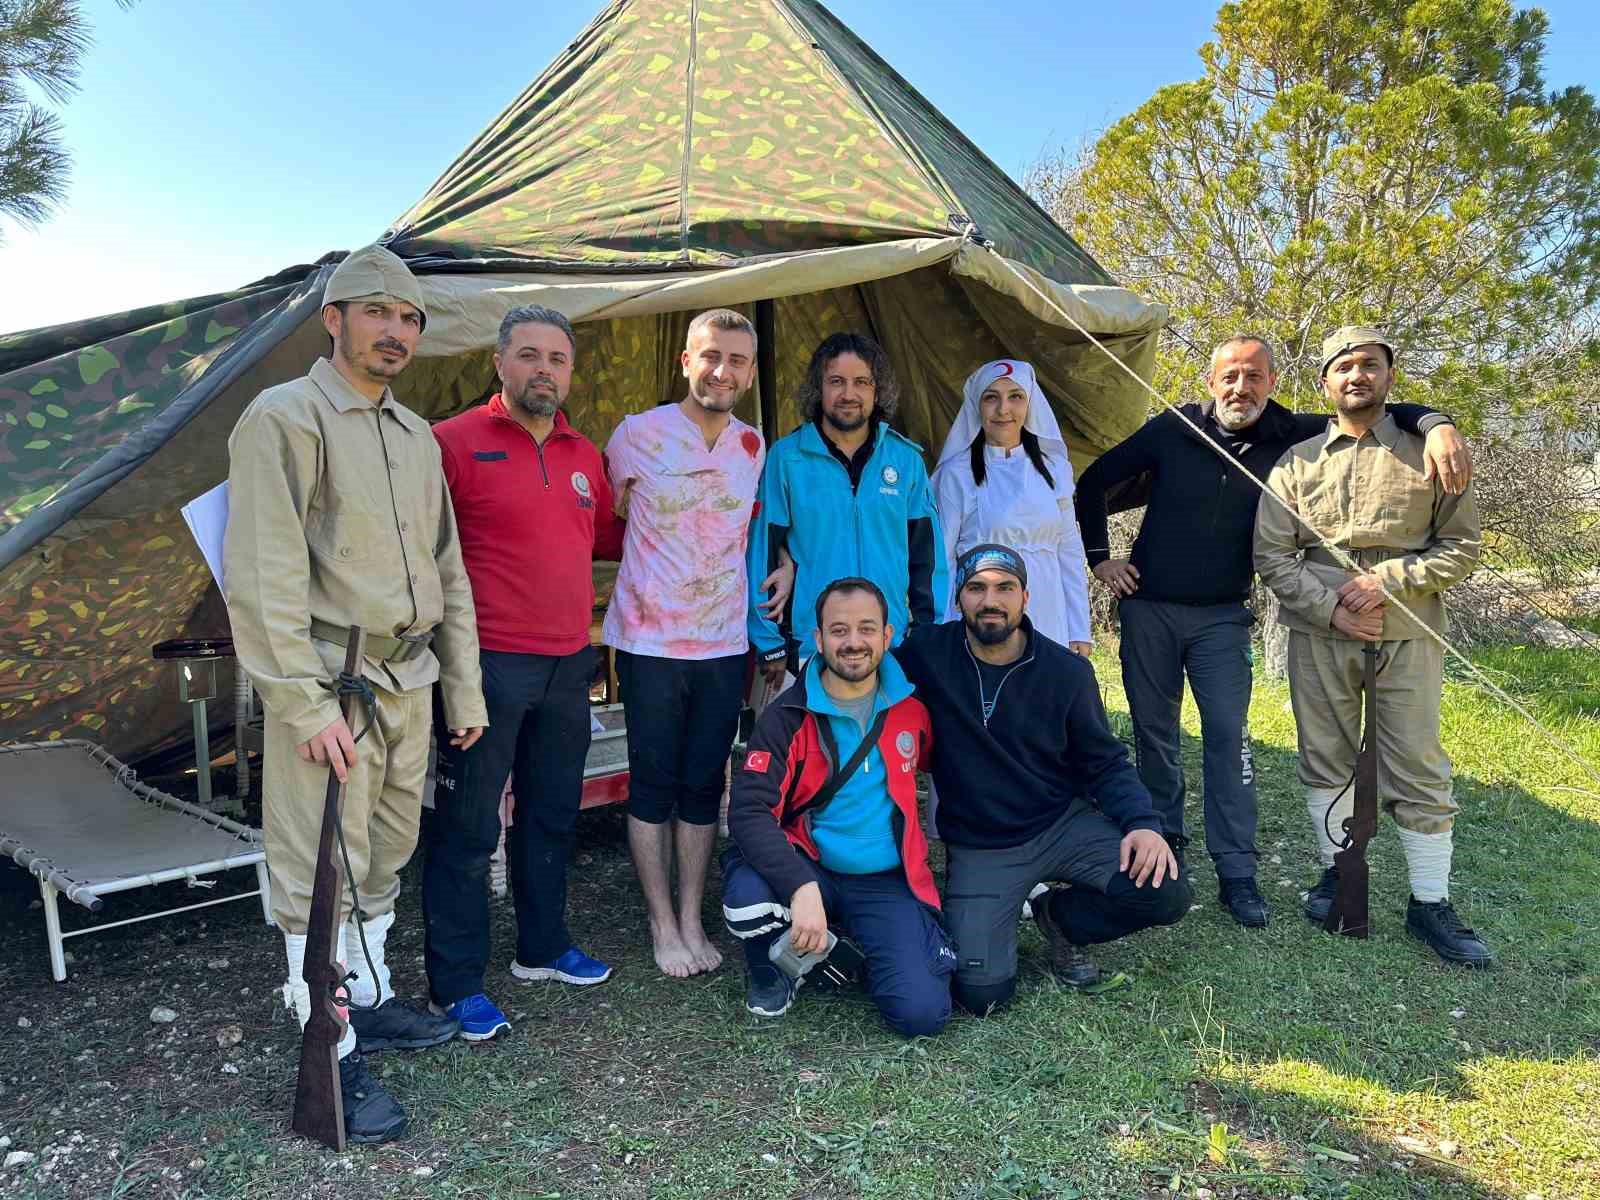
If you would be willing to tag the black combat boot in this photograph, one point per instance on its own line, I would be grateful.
(1438, 925)
(1319, 900)
(398, 1025)
(371, 1114)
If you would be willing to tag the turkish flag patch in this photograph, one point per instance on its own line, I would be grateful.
(757, 760)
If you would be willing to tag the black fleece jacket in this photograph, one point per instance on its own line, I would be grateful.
(1007, 779)
(1195, 544)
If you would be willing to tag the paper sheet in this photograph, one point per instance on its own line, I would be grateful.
(207, 518)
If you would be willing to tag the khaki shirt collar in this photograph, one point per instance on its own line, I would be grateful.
(1386, 432)
(345, 398)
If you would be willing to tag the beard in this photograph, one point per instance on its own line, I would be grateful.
(990, 635)
(845, 424)
(716, 402)
(1362, 402)
(851, 671)
(1233, 421)
(373, 365)
(536, 404)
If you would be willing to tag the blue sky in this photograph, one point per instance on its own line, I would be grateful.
(216, 143)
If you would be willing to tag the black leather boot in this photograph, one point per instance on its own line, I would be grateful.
(1439, 926)
(1244, 900)
(371, 1114)
(397, 1025)
(1319, 900)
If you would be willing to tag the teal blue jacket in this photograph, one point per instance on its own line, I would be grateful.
(886, 530)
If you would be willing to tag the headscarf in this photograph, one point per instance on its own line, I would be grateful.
(1041, 419)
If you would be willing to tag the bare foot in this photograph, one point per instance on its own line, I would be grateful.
(706, 956)
(673, 956)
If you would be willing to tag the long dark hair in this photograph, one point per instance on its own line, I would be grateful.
(1030, 447)
(886, 387)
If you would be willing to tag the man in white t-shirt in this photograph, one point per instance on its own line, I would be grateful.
(685, 475)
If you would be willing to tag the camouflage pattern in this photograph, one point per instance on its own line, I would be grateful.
(796, 137)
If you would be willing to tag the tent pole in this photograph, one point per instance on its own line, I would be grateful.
(767, 368)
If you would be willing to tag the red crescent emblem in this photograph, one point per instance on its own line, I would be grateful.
(1005, 369)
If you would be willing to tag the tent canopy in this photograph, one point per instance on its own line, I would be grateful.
(681, 154)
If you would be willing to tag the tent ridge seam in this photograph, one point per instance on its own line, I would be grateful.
(688, 133)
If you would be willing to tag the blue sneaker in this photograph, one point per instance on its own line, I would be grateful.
(480, 1018)
(574, 967)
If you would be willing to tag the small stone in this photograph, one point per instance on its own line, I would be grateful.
(1276, 860)
(24, 1023)
(1399, 1008)
(1449, 1149)
(422, 1172)
(19, 1158)
(627, 1160)
(229, 1035)
(162, 1015)
(217, 964)
(5, 1143)
(229, 1069)
(1203, 1193)
(197, 1164)
(1458, 1013)
(1414, 1145)
(1289, 883)
(1124, 1129)
(770, 1159)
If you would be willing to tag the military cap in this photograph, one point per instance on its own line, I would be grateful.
(1348, 337)
(374, 271)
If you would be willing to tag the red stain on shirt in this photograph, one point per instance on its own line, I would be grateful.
(751, 442)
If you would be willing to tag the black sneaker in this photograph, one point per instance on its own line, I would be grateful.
(1319, 900)
(1244, 900)
(371, 1114)
(769, 992)
(398, 1025)
(1439, 926)
(1068, 962)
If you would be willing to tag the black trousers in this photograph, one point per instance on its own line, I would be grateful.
(538, 735)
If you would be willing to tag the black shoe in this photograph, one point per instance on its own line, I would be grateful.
(1068, 962)
(1319, 900)
(371, 1114)
(398, 1025)
(769, 992)
(1438, 925)
(1244, 900)
(1178, 842)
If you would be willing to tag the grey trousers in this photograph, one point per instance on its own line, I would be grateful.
(1162, 642)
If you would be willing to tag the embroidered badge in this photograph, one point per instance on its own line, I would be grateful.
(891, 476)
(905, 743)
(580, 484)
(757, 760)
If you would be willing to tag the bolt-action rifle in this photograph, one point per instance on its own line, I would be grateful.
(1349, 912)
(318, 1105)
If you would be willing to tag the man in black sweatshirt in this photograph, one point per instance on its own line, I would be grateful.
(1033, 786)
(1182, 592)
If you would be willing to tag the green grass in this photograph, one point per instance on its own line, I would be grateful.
(1249, 1064)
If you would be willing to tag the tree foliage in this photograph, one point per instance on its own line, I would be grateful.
(1392, 162)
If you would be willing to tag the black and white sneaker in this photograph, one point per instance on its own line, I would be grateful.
(769, 992)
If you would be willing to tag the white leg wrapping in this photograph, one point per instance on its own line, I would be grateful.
(369, 987)
(1428, 862)
(1322, 821)
(297, 995)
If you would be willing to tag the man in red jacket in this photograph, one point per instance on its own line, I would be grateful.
(824, 821)
(534, 510)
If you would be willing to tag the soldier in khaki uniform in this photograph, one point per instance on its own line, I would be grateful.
(338, 515)
(1361, 485)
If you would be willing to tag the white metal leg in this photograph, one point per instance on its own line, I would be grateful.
(52, 931)
(266, 891)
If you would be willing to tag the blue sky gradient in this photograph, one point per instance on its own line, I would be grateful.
(216, 143)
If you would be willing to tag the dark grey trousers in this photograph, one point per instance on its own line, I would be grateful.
(1211, 643)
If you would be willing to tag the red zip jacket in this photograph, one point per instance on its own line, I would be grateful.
(531, 519)
(791, 755)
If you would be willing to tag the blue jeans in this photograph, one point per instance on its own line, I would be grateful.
(909, 960)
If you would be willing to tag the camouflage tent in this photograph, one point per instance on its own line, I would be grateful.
(680, 154)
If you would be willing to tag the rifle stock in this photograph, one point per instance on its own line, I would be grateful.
(1349, 914)
(318, 1104)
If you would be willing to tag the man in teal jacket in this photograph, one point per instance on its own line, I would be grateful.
(844, 495)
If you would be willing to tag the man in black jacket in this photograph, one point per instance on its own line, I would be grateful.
(1182, 592)
(1033, 786)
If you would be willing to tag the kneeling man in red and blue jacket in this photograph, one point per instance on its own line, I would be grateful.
(825, 825)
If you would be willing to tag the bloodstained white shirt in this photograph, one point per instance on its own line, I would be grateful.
(682, 590)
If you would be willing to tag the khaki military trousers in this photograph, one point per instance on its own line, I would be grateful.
(381, 813)
(1325, 690)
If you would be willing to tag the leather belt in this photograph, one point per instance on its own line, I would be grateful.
(385, 649)
(1363, 555)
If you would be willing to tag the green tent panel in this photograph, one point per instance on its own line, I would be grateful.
(680, 154)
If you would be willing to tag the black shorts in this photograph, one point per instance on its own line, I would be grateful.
(682, 715)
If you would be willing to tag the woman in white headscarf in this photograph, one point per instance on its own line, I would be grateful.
(1004, 476)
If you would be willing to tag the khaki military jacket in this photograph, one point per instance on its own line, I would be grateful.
(337, 510)
(1368, 497)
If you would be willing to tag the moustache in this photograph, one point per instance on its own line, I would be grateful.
(992, 612)
(390, 344)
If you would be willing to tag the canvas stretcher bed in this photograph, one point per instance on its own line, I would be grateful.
(85, 827)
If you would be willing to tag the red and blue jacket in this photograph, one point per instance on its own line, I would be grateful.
(792, 754)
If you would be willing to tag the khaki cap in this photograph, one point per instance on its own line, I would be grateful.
(1348, 337)
(374, 271)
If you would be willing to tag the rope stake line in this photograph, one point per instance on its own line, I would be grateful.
(1338, 553)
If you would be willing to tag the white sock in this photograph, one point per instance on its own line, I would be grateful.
(1323, 821)
(296, 993)
(369, 987)
(1428, 862)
